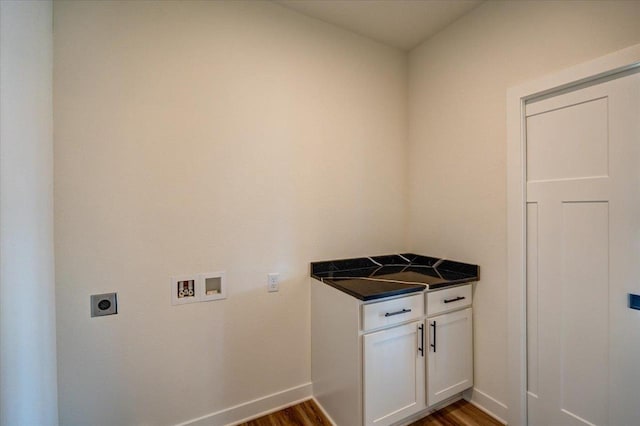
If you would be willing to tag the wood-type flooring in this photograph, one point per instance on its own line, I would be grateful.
(307, 413)
(460, 413)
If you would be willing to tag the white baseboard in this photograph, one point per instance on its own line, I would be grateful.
(324, 411)
(488, 404)
(252, 409)
(277, 401)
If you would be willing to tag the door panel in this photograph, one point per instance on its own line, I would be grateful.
(555, 136)
(584, 313)
(450, 356)
(583, 247)
(394, 385)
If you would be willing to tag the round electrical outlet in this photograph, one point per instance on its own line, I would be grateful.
(104, 304)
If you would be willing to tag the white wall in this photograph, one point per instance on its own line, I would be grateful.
(457, 151)
(28, 394)
(197, 136)
(204, 136)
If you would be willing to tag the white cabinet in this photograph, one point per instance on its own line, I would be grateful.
(366, 366)
(372, 363)
(394, 366)
(450, 356)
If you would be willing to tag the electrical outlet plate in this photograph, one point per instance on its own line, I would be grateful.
(104, 304)
(273, 282)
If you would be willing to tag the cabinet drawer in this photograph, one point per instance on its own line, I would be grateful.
(448, 299)
(395, 311)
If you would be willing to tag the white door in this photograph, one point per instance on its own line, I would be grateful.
(394, 373)
(583, 256)
(450, 360)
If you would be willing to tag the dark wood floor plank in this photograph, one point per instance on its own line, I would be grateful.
(460, 413)
(313, 414)
(307, 413)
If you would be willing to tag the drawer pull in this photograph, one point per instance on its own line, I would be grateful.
(455, 299)
(403, 311)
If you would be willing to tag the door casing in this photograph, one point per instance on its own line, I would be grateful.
(582, 74)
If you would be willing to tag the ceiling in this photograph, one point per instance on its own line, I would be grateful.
(399, 23)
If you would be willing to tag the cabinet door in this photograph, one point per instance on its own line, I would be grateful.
(394, 380)
(450, 359)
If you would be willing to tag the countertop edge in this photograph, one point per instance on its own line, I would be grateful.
(415, 288)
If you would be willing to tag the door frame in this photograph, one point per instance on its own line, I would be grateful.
(620, 61)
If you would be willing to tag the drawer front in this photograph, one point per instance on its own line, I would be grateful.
(449, 299)
(395, 311)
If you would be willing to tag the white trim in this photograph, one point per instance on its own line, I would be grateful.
(613, 63)
(324, 411)
(255, 408)
(488, 404)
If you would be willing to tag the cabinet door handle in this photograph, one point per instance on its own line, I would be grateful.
(421, 347)
(455, 299)
(403, 311)
(433, 345)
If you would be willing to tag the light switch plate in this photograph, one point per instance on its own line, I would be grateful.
(104, 304)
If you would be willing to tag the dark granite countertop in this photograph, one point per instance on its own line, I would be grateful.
(369, 278)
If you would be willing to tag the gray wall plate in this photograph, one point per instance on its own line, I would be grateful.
(104, 304)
